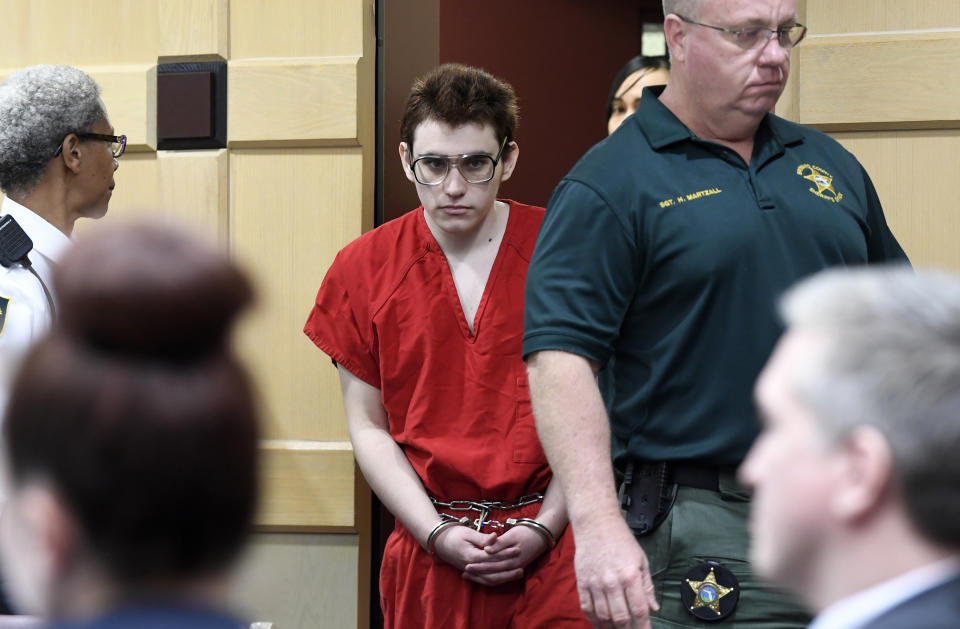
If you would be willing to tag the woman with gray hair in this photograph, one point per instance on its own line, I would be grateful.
(58, 153)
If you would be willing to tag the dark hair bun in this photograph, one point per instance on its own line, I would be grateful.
(148, 291)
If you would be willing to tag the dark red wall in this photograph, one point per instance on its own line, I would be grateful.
(559, 55)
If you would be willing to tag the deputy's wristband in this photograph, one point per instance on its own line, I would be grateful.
(544, 532)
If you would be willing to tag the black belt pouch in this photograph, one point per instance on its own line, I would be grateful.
(646, 496)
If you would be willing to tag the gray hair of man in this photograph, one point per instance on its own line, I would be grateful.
(886, 345)
(39, 106)
(686, 8)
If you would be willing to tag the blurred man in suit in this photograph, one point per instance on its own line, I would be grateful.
(856, 476)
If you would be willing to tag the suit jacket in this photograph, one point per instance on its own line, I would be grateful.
(936, 608)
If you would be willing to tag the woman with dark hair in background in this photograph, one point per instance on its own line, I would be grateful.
(131, 440)
(628, 84)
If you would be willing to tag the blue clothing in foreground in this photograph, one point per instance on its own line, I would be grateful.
(158, 617)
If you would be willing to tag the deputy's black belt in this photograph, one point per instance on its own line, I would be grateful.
(698, 476)
(648, 490)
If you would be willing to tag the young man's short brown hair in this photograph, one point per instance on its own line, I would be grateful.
(456, 94)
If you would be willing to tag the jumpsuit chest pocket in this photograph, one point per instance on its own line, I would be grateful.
(524, 439)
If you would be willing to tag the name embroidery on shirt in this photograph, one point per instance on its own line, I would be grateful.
(822, 180)
(693, 196)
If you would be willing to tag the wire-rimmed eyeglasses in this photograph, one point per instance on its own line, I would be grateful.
(118, 143)
(752, 37)
(431, 170)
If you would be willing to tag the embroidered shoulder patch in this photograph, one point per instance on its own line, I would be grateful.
(4, 303)
(822, 180)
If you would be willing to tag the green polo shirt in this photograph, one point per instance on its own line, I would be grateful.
(661, 258)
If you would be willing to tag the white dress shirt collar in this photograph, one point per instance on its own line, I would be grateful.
(47, 239)
(857, 610)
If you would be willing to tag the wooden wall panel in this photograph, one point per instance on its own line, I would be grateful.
(78, 32)
(293, 102)
(297, 28)
(195, 190)
(130, 95)
(851, 16)
(189, 189)
(915, 173)
(308, 485)
(299, 581)
(293, 210)
(881, 77)
(193, 27)
(875, 80)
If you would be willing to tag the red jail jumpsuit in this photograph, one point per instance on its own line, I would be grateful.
(458, 405)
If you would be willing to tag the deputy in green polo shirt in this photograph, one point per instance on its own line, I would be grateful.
(659, 261)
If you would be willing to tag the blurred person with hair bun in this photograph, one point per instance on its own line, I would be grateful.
(131, 440)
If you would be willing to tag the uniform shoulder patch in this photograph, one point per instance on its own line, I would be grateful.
(4, 304)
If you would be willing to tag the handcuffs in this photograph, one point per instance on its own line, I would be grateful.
(483, 508)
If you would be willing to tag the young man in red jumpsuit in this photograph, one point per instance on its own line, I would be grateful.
(423, 317)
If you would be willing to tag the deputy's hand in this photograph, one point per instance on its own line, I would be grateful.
(613, 576)
(506, 557)
(461, 545)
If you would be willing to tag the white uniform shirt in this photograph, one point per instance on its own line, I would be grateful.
(25, 312)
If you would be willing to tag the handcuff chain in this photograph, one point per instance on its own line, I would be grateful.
(483, 507)
(488, 505)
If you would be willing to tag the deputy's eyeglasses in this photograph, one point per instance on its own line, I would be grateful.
(431, 170)
(754, 37)
(118, 143)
